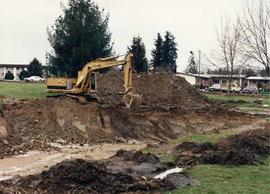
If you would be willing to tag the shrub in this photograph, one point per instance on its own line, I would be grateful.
(9, 76)
(24, 74)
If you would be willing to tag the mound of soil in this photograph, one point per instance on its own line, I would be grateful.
(13, 145)
(125, 172)
(136, 164)
(156, 90)
(235, 150)
(138, 157)
(80, 176)
(35, 123)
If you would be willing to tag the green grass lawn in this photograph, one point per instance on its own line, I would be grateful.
(248, 101)
(230, 179)
(23, 90)
(219, 179)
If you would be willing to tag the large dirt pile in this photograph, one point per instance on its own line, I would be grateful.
(79, 176)
(235, 150)
(156, 90)
(126, 172)
(32, 124)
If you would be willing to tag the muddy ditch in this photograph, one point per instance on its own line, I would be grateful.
(239, 149)
(106, 176)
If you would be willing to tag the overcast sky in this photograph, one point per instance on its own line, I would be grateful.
(23, 25)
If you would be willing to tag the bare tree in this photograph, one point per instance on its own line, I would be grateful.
(255, 33)
(227, 54)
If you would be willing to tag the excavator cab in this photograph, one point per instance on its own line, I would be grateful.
(92, 82)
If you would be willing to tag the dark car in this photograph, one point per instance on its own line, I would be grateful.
(251, 89)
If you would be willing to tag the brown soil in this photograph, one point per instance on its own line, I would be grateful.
(107, 176)
(32, 124)
(156, 90)
(235, 150)
(79, 176)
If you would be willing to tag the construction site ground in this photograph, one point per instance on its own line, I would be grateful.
(121, 150)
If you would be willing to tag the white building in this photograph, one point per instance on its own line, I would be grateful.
(255, 80)
(16, 69)
(190, 78)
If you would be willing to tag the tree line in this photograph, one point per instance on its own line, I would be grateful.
(164, 54)
(81, 34)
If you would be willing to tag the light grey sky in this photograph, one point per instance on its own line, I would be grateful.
(23, 25)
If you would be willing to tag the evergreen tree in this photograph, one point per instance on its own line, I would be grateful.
(157, 54)
(137, 48)
(35, 68)
(78, 36)
(24, 74)
(9, 76)
(169, 49)
(191, 68)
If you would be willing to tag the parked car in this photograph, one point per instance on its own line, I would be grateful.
(34, 79)
(235, 89)
(218, 87)
(251, 89)
(215, 87)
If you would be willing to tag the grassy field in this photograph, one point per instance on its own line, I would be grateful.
(230, 179)
(242, 101)
(22, 90)
(221, 179)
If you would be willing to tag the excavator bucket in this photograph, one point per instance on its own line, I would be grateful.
(132, 101)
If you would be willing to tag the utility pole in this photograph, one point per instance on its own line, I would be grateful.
(199, 62)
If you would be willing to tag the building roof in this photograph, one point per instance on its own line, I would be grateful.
(14, 65)
(258, 78)
(213, 75)
(226, 76)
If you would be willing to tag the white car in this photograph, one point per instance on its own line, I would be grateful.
(218, 87)
(235, 89)
(215, 87)
(34, 79)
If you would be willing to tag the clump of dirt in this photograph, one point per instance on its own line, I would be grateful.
(138, 157)
(239, 149)
(13, 145)
(136, 164)
(156, 90)
(80, 176)
(146, 166)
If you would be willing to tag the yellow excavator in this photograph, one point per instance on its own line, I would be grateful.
(85, 88)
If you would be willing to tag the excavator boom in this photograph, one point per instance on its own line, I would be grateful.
(85, 83)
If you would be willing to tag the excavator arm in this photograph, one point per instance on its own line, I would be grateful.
(83, 77)
(84, 81)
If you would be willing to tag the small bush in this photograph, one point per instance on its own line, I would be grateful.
(24, 74)
(9, 76)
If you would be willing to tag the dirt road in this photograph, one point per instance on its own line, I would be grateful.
(37, 161)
